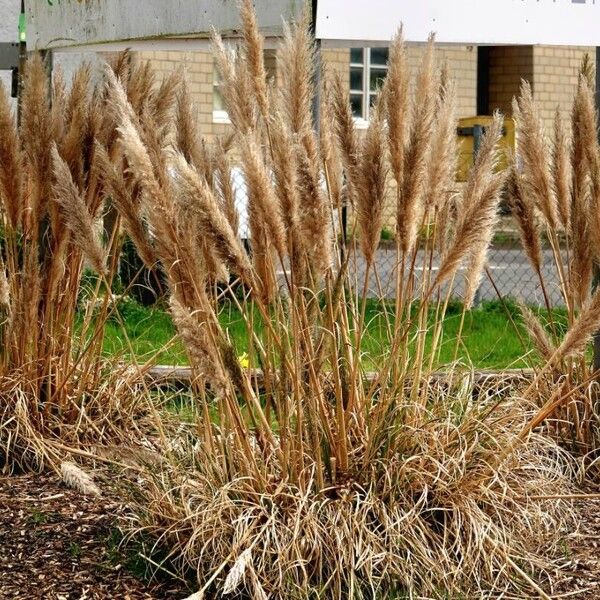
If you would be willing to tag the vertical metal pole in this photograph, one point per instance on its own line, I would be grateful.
(316, 113)
(477, 135)
(316, 110)
(22, 59)
(316, 106)
(596, 280)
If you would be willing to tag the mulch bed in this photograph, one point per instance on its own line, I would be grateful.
(56, 544)
(580, 568)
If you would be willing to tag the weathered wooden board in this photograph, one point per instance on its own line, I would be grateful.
(181, 377)
(72, 23)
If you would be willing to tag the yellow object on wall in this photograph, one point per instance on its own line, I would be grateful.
(467, 131)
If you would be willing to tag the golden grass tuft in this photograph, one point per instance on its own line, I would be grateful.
(315, 478)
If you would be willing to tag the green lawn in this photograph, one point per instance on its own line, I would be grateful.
(490, 340)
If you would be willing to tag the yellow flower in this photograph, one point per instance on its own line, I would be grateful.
(244, 361)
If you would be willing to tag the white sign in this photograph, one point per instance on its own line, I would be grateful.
(483, 22)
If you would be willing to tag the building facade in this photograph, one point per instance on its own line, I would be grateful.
(487, 77)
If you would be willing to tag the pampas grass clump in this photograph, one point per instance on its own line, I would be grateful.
(555, 192)
(319, 479)
(56, 389)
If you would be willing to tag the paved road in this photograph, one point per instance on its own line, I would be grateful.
(509, 267)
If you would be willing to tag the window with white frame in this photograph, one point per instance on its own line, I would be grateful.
(368, 68)
(219, 107)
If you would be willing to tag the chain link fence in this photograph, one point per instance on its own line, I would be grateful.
(509, 273)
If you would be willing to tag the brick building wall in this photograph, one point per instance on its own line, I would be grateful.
(198, 67)
(551, 70)
(555, 72)
(462, 66)
(508, 65)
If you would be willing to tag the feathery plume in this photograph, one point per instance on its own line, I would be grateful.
(213, 223)
(314, 214)
(523, 213)
(76, 214)
(163, 99)
(193, 330)
(236, 86)
(4, 286)
(36, 125)
(442, 160)
(236, 575)
(561, 171)
(296, 64)
(187, 138)
(253, 44)
(345, 133)
(537, 332)
(535, 154)
(330, 155)
(397, 106)
(262, 204)
(410, 194)
(225, 189)
(78, 479)
(478, 210)
(582, 330)
(10, 163)
(59, 101)
(372, 187)
(116, 188)
(77, 123)
(583, 134)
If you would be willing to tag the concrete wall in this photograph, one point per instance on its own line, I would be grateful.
(9, 19)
